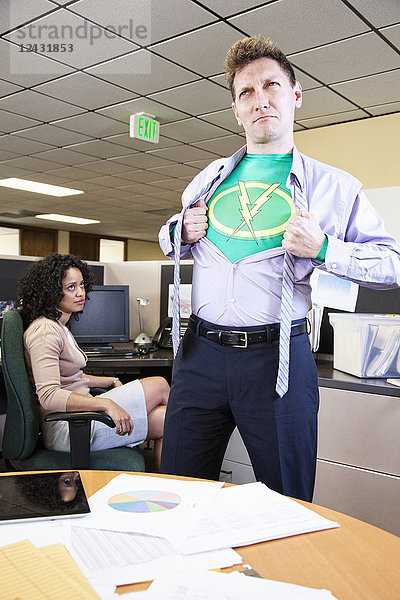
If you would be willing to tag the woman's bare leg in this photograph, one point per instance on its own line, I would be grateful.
(156, 392)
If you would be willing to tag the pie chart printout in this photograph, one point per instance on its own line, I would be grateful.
(144, 501)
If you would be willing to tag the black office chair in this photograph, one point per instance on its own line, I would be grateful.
(23, 446)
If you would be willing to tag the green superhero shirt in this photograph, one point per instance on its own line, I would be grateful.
(249, 210)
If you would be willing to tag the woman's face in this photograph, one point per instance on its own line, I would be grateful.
(68, 485)
(73, 289)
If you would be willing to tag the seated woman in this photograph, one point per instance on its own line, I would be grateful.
(54, 290)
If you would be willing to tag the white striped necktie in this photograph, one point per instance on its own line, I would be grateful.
(176, 311)
(282, 380)
(205, 193)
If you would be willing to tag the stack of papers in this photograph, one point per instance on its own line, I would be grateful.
(48, 572)
(221, 586)
(141, 527)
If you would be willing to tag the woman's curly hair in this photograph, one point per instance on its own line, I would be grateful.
(40, 290)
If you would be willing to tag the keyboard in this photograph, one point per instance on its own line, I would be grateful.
(109, 352)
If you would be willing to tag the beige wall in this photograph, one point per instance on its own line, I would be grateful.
(368, 149)
(139, 250)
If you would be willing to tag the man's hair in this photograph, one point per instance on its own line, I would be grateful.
(40, 290)
(251, 48)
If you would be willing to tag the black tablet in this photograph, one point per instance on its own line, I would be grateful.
(42, 496)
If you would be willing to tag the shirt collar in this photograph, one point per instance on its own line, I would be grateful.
(297, 165)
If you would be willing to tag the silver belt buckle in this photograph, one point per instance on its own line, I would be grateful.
(244, 345)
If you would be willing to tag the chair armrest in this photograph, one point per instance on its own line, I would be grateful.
(79, 424)
(82, 416)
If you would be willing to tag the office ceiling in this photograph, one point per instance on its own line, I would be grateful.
(64, 115)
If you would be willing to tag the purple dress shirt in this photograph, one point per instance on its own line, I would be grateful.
(248, 292)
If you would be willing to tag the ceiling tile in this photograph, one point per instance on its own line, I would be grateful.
(4, 155)
(37, 106)
(197, 164)
(8, 88)
(92, 124)
(14, 13)
(27, 68)
(227, 7)
(331, 64)
(168, 18)
(98, 148)
(306, 24)
(143, 72)
(12, 122)
(140, 176)
(183, 153)
(19, 145)
(373, 90)
(392, 34)
(52, 135)
(106, 181)
(384, 109)
(384, 12)
(142, 160)
(127, 142)
(195, 98)
(188, 49)
(124, 110)
(306, 82)
(224, 146)
(85, 91)
(176, 170)
(6, 170)
(224, 118)
(175, 185)
(85, 43)
(161, 22)
(64, 156)
(191, 130)
(105, 167)
(72, 173)
(351, 115)
(321, 101)
(30, 163)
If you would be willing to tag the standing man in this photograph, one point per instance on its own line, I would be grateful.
(256, 225)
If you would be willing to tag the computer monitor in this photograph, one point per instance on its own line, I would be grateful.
(105, 318)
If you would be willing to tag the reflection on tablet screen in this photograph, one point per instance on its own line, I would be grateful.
(42, 495)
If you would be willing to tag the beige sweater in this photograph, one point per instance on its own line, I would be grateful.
(54, 364)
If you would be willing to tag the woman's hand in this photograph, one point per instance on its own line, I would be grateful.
(116, 382)
(122, 419)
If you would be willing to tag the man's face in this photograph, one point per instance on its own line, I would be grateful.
(264, 104)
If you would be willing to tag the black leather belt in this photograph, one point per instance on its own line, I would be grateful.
(242, 339)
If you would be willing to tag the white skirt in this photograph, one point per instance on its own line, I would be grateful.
(129, 396)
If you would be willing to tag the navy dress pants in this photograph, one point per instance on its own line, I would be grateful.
(215, 388)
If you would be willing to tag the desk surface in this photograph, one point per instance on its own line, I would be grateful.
(355, 562)
(159, 358)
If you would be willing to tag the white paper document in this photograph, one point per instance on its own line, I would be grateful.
(226, 586)
(39, 533)
(152, 505)
(247, 514)
(332, 291)
(123, 558)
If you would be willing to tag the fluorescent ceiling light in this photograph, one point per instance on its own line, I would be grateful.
(67, 219)
(39, 188)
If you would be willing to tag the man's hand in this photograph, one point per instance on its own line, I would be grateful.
(303, 236)
(195, 222)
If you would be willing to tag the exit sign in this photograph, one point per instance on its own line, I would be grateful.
(144, 127)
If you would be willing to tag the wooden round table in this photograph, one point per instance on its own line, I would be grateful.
(355, 562)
